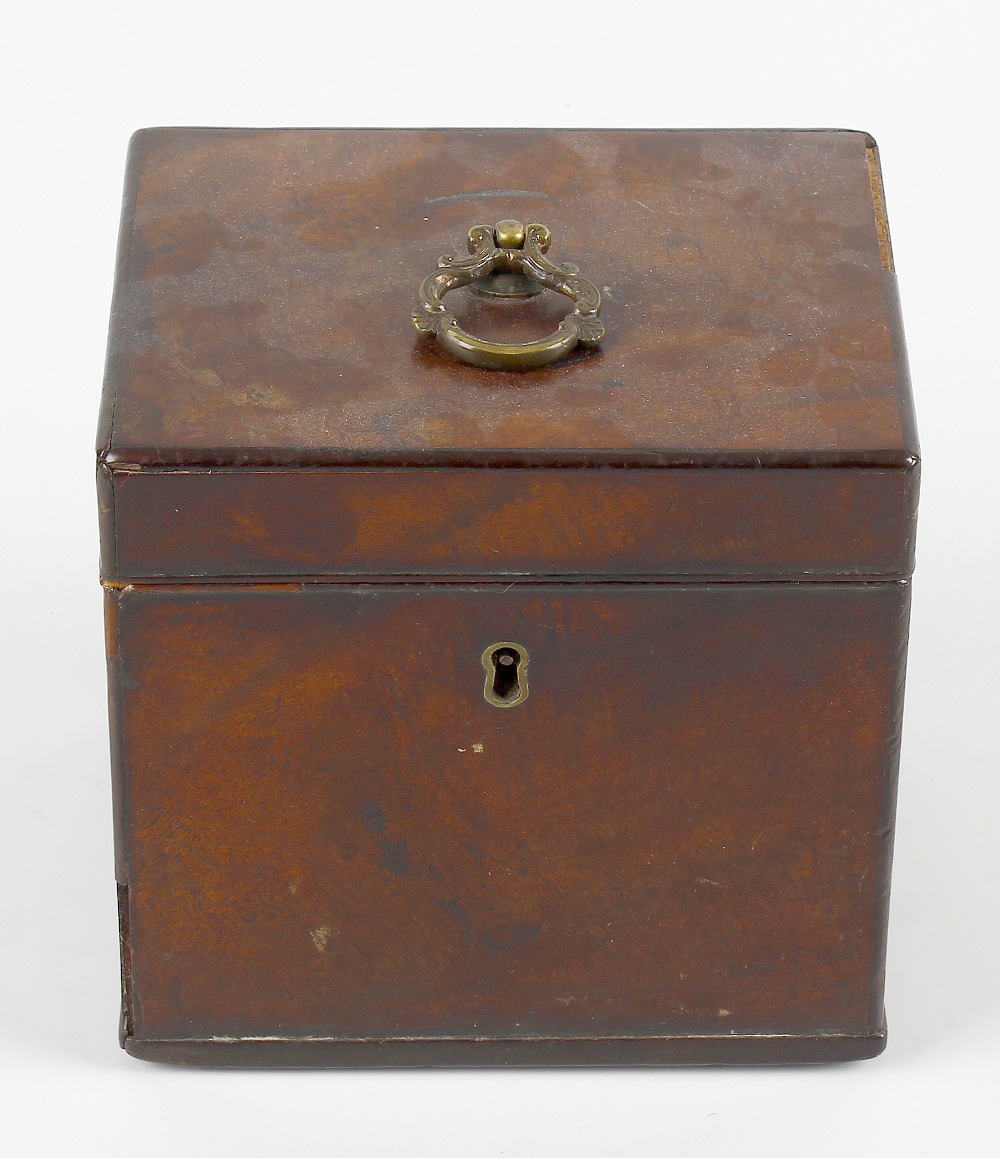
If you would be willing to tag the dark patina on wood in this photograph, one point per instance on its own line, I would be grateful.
(332, 847)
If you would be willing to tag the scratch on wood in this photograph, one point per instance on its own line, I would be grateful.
(481, 194)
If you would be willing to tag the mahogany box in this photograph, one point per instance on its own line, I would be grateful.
(511, 678)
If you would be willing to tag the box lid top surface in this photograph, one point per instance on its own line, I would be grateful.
(267, 278)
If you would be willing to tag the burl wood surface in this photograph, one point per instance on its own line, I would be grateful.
(266, 280)
(685, 829)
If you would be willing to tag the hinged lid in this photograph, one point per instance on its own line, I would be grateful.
(270, 410)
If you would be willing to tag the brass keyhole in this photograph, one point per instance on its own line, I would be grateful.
(506, 674)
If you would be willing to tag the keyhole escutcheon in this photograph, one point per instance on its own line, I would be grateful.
(506, 667)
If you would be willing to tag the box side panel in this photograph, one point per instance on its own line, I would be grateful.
(766, 523)
(682, 831)
(116, 723)
(886, 832)
(119, 788)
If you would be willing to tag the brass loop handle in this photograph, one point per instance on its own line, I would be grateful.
(509, 248)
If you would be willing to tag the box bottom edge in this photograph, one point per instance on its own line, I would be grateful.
(330, 1053)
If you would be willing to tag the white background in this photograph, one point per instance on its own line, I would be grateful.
(76, 79)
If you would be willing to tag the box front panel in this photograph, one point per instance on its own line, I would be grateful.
(684, 828)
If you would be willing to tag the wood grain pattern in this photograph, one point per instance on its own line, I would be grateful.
(771, 523)
(330, 849)
(267, 280)
(685, 829)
